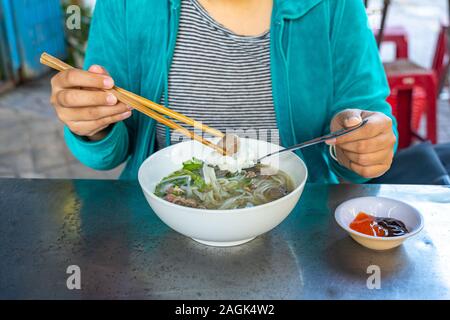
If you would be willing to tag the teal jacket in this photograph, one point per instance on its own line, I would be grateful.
(323, 59)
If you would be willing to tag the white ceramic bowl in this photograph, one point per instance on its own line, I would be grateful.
(219, 227)
(379, 207)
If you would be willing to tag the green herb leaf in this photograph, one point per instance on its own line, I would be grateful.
(193, 165)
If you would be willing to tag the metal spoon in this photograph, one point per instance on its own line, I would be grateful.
(318, 140)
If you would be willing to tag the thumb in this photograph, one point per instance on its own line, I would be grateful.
(346, 119)
(98, 69)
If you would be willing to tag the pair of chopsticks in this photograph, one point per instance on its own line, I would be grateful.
(149, 108)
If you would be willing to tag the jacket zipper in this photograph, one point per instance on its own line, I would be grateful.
(283, 99)
(174, 21)
(280, 23)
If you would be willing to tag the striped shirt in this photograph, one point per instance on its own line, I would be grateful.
(220, 78)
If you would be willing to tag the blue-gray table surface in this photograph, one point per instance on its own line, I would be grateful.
(124, 251)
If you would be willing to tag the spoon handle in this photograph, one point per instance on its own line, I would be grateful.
(318, 140)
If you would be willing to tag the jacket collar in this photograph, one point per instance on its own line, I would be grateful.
(290, 9)
(293, 9)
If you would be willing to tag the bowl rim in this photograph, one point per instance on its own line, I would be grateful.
(359, 234)
(221, 211)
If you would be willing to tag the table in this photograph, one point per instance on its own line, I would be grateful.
(124, 251)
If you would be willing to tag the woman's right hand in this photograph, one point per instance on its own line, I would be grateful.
(82, 105)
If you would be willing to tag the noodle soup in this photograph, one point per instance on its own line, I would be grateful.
(200, 185)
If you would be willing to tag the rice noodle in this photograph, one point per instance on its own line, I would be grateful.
(245, 157)
(231, 190)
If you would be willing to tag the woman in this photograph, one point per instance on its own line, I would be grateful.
(300, 68)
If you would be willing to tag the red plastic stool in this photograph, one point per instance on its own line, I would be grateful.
(399, 37)
(405, 76)
(419, 105)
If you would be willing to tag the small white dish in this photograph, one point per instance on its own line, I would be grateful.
(379, 207)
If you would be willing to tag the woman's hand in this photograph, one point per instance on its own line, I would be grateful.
(369, 150)
(82, 106)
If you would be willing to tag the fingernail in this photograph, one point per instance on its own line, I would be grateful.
(126, 115)
(130, 108)
(353, 121)
(96, 68)
(108, 83)
(111, 99)
(331, 141)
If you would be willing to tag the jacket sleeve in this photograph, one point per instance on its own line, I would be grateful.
(358, 74)
(106, 47)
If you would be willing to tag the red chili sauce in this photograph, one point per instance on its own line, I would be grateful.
(377, 226)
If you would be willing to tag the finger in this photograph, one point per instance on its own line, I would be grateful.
(98, 69)
(378, 143)
(369, 172)
(95, 132)
(346, 119)
(80, 78)
(377, 123)
(370, 159)
(342, 158)
(84, 98)
(91, 113)
(86, 127)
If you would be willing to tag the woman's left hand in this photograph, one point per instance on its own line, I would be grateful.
(369, 150)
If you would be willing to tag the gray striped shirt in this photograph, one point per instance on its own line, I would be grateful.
(220, 78)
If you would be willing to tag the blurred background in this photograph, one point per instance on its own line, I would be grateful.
(413, 44)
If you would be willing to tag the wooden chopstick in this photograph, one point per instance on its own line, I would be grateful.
(173, 114)
(148, 107)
